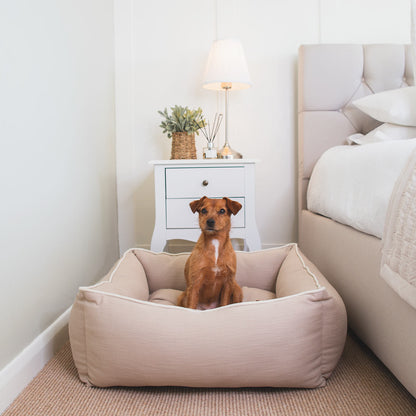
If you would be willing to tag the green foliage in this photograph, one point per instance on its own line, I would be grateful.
(182, 119)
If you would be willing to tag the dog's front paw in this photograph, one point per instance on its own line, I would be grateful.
(181, 300)
(237, 295)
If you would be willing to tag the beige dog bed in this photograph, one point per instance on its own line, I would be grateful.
(289, 331)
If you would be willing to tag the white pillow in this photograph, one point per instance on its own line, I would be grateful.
(392, 106)
(386, 131)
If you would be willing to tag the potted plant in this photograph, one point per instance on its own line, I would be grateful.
(181, 125)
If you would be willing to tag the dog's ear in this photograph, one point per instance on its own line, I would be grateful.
(233, 206)
(196, 205)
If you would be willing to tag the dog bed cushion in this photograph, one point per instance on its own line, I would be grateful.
(288, 332)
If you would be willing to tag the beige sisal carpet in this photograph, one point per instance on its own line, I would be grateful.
(360, 386)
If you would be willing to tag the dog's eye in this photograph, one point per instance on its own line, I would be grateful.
(203, 211)
(222, 211)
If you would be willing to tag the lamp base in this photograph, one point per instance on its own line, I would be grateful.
(227, 153)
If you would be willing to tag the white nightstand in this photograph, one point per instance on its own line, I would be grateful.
(178, 182)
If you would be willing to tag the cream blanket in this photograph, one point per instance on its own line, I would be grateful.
(353, 184)
(398, 264)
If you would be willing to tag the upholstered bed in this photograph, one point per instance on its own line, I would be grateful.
(331, 112)
(289, 331)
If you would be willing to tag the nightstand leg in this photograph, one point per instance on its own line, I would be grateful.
(158, 242)
(246, 245)
(252, 241)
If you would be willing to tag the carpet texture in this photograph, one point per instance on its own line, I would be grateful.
(360, 386)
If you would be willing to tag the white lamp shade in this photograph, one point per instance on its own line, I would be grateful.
(226, 64)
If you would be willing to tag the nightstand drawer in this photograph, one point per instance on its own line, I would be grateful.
(211, 182)
(179, 214)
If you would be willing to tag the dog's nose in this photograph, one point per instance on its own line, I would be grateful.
(210, 223)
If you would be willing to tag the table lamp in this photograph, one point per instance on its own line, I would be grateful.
(227, 70)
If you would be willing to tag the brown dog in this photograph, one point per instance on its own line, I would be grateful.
(210, 269)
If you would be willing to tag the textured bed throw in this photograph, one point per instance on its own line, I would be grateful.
(398, 265)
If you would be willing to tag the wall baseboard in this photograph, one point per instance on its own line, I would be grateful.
(16, 375)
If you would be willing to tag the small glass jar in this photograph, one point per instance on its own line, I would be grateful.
(210, 152)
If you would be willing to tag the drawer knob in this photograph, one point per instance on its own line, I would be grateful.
(205, 182)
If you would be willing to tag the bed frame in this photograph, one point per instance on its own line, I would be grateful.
(330, 78)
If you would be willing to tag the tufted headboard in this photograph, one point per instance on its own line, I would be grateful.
(330, 77)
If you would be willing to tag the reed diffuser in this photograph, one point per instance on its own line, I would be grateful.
(210, 132)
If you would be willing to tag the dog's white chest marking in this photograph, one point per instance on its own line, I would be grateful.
(216, 245)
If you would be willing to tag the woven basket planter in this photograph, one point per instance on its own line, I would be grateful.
(183, 146)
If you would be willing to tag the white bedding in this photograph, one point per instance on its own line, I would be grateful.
(353, 184)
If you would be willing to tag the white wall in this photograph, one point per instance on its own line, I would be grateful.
(162, 48)
(58, 219)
